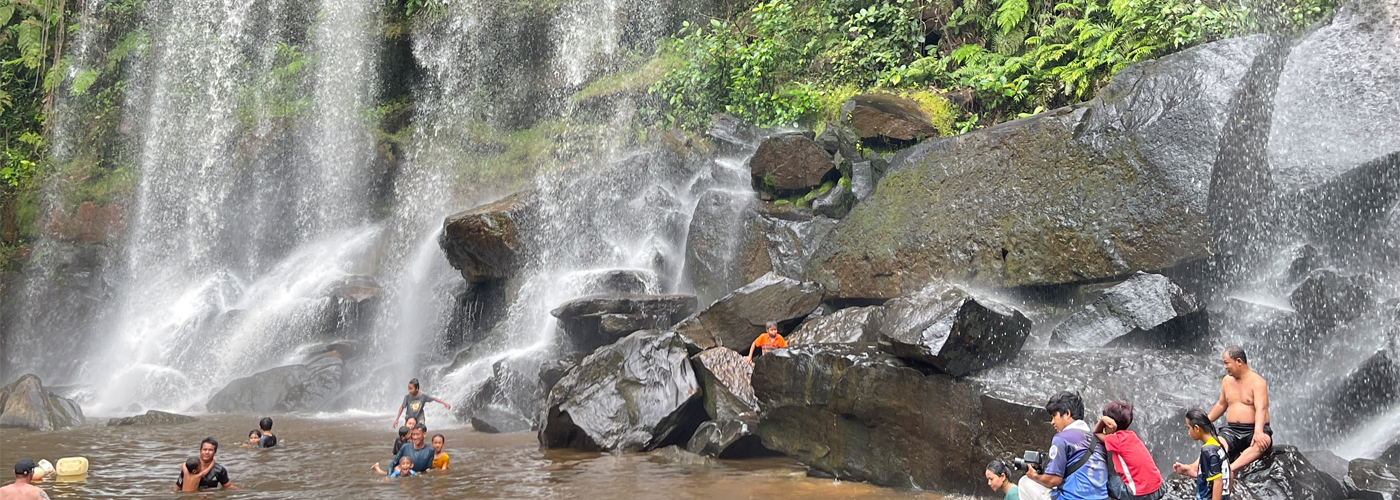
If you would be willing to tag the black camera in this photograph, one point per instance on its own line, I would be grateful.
(1031, 457)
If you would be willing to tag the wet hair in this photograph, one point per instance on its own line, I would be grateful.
(1120, 412)
(1197, 418)
(771, 324)
(436, 436)
(210, 440)
(192, 464)
(265, 424)
(414, 419)
(403, 431)
(401, 459)
(1237, 353)
(998, 468)
(414, 383)
(1066, 402)
(252, 433)
(421, 427)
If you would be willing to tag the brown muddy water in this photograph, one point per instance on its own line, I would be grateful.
(330, 458)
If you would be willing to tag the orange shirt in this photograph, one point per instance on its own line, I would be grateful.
(765, 344)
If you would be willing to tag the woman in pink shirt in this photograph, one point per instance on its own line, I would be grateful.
(1137, 477)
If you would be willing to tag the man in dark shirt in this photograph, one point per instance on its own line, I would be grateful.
(414, 403)
(416, 450)
(215, 476)
(268, 439)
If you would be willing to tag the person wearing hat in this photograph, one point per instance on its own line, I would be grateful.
(21, 489)
(767, 341)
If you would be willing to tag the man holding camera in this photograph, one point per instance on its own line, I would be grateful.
(1075, 466)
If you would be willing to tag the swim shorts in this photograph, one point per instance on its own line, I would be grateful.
(1237, 437)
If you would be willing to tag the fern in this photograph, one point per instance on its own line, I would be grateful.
(1011, 13)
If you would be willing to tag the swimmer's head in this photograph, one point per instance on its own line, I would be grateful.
(192, 464)
(403, 431)
(413, 386)
(405, 463)
(265, 424)
(254, 434)
(411, 422)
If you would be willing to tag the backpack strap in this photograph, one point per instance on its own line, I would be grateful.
(1095, 448)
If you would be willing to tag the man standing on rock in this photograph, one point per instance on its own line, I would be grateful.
(215, 476)
(1076, 466)
(21, 489)
(1244, 401)
(767, 341)
(415, 402)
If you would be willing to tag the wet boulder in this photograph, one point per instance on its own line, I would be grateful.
(948, 328)
(726, 244)
(858, 413)
(152, 417)
(1160, 385)
(634, 395)
(1092, 191)
(484, 243)
(845, 326)
(835, 203)
(616, 281)
(509, 401)
(292, 388)
(1147, 310)
(736, 320)
(1366, 391)
(887, 118)
(733, 135)
(1285, 474)
(1372, 480)
(24, 404)
(724, 376)
(790, 163)
(840, 139)
(1327, 298)
(596, 320)
(732, 438)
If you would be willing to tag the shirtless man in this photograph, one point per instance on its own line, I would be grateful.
(1244, 400)
(21, 489)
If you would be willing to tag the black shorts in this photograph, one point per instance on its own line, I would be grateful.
(1237, 437)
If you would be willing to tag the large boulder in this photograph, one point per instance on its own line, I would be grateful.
(726, 244)
(635, 395)
(596, 320)
(1327, 298)
(25, 404)
(888, 118)
(724, 375)
(484, 243)
(1335, 104)
(835, 203)
(1147, 310)
(1098, 190)
(734, 438)
(1284, 474)
(858, 413)
(1366, 391)
(509, 401)
(845, 326)
(733, 135)
(152, 417)
(948, 328)
(736, 320)
(292, 388)
(1160, 385)
(790, 163)
(1372, 480)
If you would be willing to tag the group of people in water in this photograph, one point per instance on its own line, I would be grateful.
(1076, 465)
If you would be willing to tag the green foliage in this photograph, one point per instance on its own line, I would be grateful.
(279, 93)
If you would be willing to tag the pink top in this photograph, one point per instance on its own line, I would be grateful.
(1133, 463)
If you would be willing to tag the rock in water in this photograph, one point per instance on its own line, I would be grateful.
(1128, 190)
(947, 328)
(846, 326)
(635, 395)
(888, 118)
(1147, 310)
(736, 438)
(1372, 480)
(509, 401)
(736, 320)
(152, 417)
(309, 387)
(790, 162)
(724, 375)
(484, 242)
(1327, 298)
(597, 320)
(861, 414)
(25, 404)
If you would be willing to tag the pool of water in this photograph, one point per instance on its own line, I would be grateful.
(329, 457)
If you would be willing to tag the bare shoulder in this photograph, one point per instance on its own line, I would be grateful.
(1257, 381)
